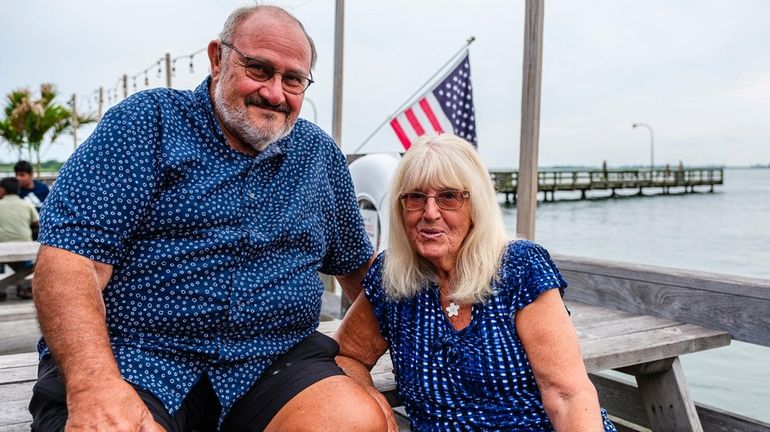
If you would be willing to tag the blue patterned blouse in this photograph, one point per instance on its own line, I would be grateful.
(215, 252)
(478, 378)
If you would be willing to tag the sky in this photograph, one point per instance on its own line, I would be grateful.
(696, 71)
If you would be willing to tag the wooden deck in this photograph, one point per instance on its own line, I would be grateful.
(645, 346)
(665, 181)
(632, 318)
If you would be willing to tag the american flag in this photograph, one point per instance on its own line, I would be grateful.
(446, 107)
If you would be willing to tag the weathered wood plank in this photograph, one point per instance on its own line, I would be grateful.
(18, 251)
(18, 360)
(656, 344)
(19, 427)
(17, 392)
(17, 311)
(733, 304)
(15, 375)
(583, 314)
(717, 420)
(622, 326)
(707, 281)
(18, 336)
(14, 413)
(620, 398)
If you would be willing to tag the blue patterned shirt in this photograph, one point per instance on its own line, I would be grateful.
(478, 378)
(215, 253)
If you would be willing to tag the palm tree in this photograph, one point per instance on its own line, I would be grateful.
(11, 129)
(33, 120)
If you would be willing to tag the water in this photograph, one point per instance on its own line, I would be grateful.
(727, 231)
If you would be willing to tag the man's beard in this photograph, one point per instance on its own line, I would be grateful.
(236, 120)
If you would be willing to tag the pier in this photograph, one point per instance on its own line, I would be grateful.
(663, 180)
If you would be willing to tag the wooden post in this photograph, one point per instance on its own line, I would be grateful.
(530, 119)
(168, 70)
(339, 35)
(74, 115)
(125, 86)
(101, 102)
(666, 396)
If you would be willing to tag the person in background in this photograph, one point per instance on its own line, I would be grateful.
(177, 282)
(34, 191)
(17, 218)
(479, 336)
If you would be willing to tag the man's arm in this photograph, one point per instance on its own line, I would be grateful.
(351, 282)
(70, 308)
(361, 345)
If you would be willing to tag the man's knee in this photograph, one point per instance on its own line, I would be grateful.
(334, 404)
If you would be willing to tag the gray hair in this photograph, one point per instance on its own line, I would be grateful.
(240, 14)
(446, 161)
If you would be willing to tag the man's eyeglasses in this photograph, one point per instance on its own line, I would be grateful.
(445, 200)
(260, 71)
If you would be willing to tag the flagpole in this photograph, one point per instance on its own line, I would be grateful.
(419, 91)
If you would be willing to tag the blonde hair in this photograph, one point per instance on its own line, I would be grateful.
(445, 161)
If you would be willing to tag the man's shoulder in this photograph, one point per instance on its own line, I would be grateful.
(311, 133)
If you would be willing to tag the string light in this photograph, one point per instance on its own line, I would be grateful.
(113, 93)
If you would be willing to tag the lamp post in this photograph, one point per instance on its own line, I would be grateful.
(652, 143)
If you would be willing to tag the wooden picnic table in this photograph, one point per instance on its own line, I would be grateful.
(17, 251)
(641, 345)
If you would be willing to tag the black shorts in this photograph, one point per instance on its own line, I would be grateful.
(305, 364)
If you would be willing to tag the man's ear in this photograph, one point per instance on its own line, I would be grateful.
(215, 57)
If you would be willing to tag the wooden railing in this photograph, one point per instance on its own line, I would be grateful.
(734, 304)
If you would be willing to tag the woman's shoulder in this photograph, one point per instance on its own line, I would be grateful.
(520, 252)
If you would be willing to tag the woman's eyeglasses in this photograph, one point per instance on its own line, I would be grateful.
(445, 200)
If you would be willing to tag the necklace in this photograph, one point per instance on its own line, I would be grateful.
(453, 309)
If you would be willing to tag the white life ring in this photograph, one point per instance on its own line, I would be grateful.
(372, 175)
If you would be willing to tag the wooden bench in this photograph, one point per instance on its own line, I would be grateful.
(13, 252)
(644, 346)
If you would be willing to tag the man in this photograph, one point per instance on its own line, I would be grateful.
(35, 192)
(177, 283)
(17, 218)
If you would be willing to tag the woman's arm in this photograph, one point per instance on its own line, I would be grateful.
(552, 347)
(361, 345)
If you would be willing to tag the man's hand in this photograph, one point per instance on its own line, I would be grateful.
(109, 406)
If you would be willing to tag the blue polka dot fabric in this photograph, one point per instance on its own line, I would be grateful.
(478, 378)
(215, 253)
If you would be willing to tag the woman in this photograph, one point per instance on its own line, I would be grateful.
(478, 333)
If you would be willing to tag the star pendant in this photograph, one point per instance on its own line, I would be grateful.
(453, 309)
